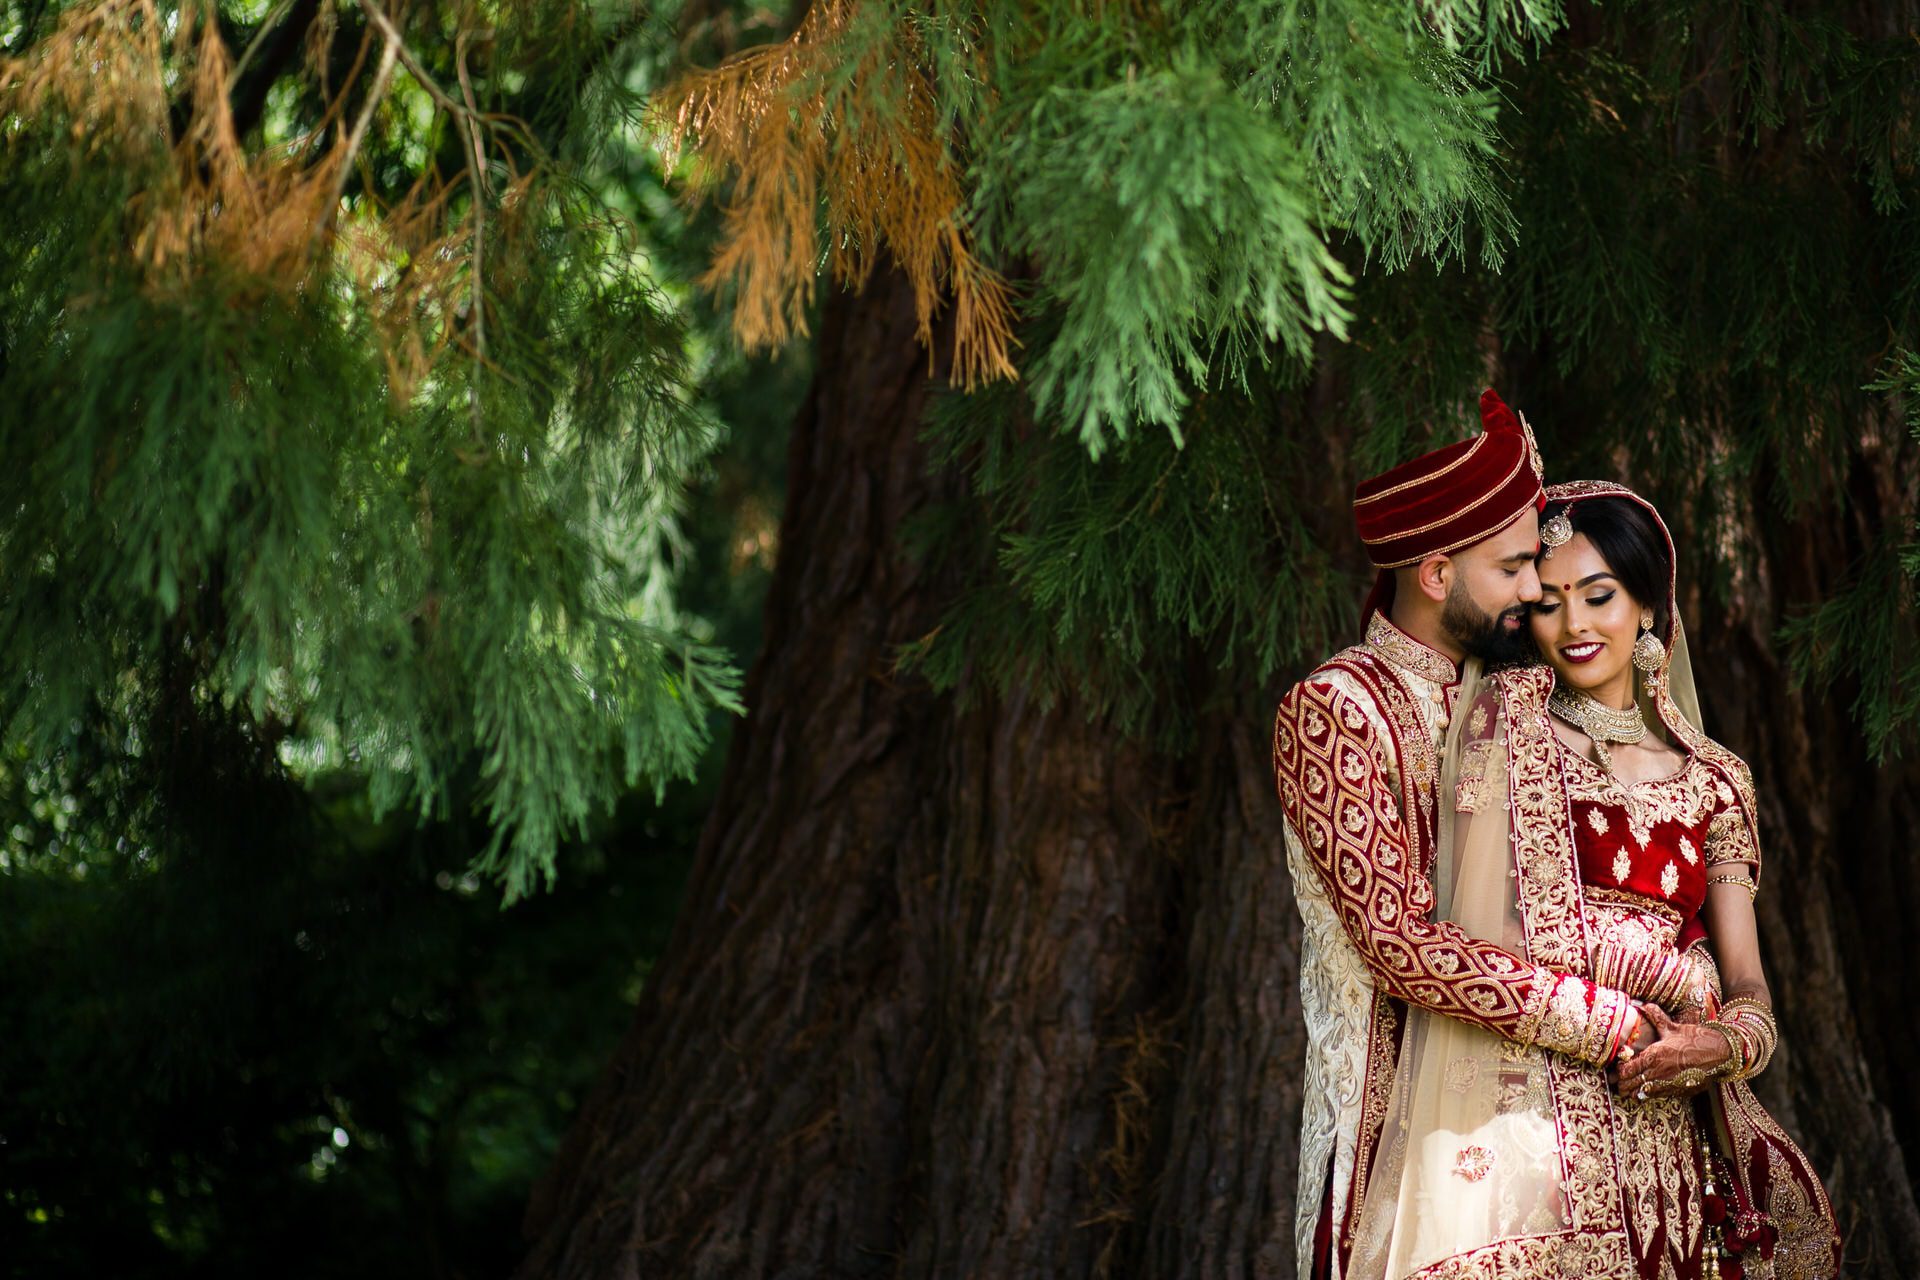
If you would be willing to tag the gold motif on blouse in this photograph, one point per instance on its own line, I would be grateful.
(1729, 839)
(1684, 798)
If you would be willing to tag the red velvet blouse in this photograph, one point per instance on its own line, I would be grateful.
(1655, 839)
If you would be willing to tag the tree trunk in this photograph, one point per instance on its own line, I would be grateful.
(910, 993)
(1839, 889)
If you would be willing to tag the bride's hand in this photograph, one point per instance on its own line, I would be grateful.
(1681, 1062)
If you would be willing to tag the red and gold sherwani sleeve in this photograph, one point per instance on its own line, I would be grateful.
(1344, 811)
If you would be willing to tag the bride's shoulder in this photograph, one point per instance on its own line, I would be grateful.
(1731, 768)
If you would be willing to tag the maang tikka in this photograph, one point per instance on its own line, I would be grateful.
(1556, 531)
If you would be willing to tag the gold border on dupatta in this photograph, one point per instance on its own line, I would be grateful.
(1595, 1245)
(1807, 1246)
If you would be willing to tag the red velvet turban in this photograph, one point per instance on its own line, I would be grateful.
(1449, 499)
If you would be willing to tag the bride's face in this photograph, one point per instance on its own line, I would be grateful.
(1585, 622)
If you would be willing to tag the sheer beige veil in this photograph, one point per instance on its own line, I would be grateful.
(1470, 1153)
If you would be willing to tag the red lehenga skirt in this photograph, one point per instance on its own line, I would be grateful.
(1714, 1175)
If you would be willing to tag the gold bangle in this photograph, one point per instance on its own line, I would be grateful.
(1748, 883)
(1755, 1023)
(1736, 1060)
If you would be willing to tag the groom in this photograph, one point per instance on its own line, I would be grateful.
(1356, 752)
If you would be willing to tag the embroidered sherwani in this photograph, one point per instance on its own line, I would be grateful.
(1356, 758)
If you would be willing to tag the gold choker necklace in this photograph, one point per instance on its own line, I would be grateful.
(1602, 723)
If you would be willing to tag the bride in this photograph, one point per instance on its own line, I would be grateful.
(1595, 828)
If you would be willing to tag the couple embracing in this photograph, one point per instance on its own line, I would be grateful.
(1529, 965)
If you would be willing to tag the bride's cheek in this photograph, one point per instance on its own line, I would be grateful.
(1542, 629)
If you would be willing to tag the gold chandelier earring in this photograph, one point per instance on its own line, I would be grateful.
(1648, 653)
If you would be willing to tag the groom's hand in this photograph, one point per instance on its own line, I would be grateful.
(1645, 1036)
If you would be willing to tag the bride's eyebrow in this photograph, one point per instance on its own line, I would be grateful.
(1587, 581)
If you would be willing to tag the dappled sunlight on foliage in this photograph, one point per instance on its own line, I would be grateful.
(349, 407)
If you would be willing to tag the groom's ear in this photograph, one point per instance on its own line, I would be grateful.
(1434, 577)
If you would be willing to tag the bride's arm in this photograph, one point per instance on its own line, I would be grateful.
(1734, 935)
(1741, 1040)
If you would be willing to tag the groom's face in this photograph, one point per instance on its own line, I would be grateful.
(1492, 584)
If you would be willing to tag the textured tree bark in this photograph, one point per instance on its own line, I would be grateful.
(1839, 892)
(913, 980)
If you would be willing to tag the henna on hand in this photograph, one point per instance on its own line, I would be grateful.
(1682, 1061)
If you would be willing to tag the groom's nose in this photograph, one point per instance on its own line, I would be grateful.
(1529, 583)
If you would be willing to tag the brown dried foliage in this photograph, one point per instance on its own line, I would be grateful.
(270, 219)
(105, 71)
(764, 118)
(1120, 1171)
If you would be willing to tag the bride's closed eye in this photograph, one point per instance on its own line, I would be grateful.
(1545, 605)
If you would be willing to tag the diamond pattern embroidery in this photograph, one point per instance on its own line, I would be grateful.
(1328, 758)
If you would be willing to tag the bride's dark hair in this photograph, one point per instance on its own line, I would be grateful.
(1631, 543)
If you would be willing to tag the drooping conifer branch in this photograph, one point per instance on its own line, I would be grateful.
(372, 444)
(773, 120)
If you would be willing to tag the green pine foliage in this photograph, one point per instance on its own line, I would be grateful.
(1192, 180)
(1699, 249)
(390, 477)
(1862, 636)
(278, 1021)
(460, 575)
(1110, 579)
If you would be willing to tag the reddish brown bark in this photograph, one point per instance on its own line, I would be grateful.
(1839, 893)
(891, 1027)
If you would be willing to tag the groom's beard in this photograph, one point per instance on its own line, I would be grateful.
(1487, 636)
